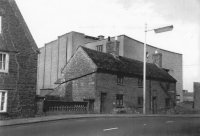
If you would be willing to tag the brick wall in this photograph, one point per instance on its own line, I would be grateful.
(8, 81)
(22, 68)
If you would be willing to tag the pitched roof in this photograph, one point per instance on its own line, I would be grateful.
(19, 16)
(109, 63)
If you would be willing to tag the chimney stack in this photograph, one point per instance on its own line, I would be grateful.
(112, 47)
(101, 37)
(157, 59)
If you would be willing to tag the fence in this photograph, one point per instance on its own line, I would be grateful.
(54, 107)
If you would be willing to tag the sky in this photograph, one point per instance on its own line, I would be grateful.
(48, 19)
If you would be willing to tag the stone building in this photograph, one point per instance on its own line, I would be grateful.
(197, 95)
(55, 55)
(111, 82)
(18, 64)
(131, 48)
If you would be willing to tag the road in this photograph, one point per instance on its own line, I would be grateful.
(141, 126)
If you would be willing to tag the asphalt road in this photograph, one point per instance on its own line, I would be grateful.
(141, 126)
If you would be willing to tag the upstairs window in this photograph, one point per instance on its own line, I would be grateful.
(120, 79)
(99, 48)
(140, 82)
(119, 100)
(3, 101)
(4, 60)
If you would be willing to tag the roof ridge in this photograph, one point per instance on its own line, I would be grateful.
(107, 62)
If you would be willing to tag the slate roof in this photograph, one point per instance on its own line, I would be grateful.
(109, 63)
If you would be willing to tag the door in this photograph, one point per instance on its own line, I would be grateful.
(154, 104)
(102, 104)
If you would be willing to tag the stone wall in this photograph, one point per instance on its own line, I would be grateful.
(107, 83)
(55, 55)
(91, 87)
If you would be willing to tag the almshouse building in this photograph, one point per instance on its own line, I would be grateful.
(18, 64)
(110, 82)
(55, 55)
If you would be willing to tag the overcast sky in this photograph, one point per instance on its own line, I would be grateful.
(48, 19)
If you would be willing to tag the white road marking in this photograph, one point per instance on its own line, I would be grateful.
(110, 129)
(169, 121)
(145, 124)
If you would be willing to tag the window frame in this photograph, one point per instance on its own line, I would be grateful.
(4, 70)
(5, 104)
(99, 48)
(119, 100)
(120, 79)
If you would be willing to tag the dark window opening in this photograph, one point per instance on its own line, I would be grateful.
(120, 79)
(119, 100)
(140, 101)
(99, 48)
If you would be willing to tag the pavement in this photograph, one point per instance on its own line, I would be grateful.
(79, 116)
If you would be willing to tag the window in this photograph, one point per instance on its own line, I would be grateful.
(4, 62)
(140, 101)
(120, 79)
(119, 100)
(3, 101)
(140, 82)
(99, 48)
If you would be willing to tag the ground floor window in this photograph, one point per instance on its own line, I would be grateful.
(119, 100)
(140, 101)
(3, 101)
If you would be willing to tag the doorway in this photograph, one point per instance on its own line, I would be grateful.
(103, 104)
(154, 104)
